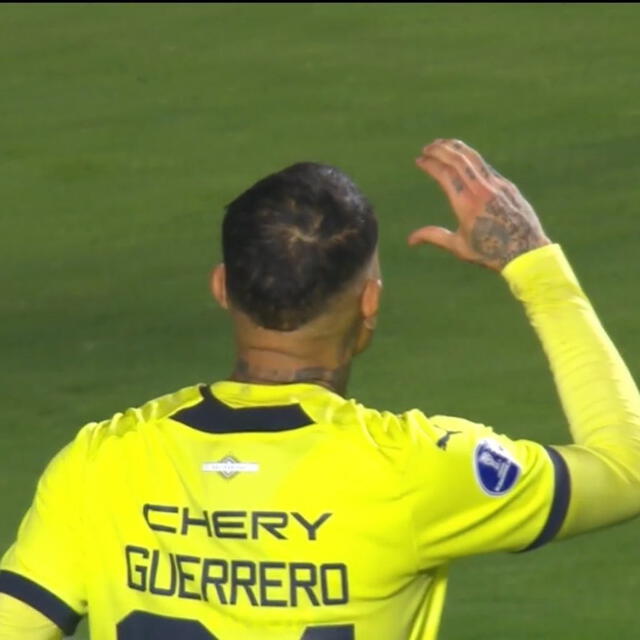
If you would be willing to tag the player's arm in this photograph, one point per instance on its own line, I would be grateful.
(45, 568)
(498, 229)
(19, 621)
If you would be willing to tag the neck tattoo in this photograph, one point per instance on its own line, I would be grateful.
(333, 379)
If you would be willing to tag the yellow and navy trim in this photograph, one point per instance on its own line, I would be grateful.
(214, 416)
(40, 599)
(559, 504)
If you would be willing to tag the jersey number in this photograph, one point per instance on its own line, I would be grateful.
(148, 626)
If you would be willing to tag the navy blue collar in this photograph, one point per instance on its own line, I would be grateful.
(214, 416)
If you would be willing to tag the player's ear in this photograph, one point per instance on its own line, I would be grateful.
(371, 293)
(219, 285)
(369, 305)
(370, 302)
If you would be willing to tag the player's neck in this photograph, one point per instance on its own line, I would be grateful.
(262, 366)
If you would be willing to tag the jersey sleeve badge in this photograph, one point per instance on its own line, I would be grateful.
(495, 468)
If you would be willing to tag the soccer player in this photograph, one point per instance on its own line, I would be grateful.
(269, 506)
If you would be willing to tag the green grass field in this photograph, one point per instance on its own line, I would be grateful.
(125, 129)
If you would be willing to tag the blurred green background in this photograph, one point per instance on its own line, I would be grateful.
(124, 129)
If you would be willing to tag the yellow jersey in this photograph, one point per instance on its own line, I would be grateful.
(256, 512)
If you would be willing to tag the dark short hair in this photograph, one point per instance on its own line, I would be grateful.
(293, 241)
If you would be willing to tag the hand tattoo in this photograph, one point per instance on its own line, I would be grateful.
(508, 228)
(458, 185)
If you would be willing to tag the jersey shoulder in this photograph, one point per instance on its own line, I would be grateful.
(94, 436)
(409, 429)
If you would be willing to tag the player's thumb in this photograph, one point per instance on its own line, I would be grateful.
(437, 236)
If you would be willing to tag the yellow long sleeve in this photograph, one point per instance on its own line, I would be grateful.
(18, 621)
(599, 396)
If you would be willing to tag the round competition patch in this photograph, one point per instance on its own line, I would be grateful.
(496, 470)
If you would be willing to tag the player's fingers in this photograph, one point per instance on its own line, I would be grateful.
(445, 153)
(489, 174)
(477, 161)
(437, 236)
(445, 176)
(485, 170)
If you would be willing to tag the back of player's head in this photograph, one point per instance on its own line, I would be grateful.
(293, 241)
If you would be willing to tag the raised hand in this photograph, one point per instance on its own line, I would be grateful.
(495, 222)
